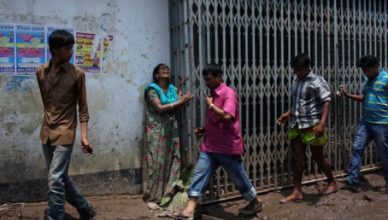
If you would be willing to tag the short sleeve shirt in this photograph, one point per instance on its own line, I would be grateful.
(308, 96)
(223, 137)
(375, 104)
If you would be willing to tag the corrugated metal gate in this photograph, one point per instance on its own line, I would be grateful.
(254, 42)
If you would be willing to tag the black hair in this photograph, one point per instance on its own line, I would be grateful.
(301, 60)
(60, 38)
(213, 69)
(156, 70)
(367, 61)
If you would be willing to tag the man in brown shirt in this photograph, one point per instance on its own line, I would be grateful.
(62, 87)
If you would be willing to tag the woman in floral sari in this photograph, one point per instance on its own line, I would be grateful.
(161, 138)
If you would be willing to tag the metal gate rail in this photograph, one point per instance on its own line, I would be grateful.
(254, 41)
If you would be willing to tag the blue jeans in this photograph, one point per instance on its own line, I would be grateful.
(60, 186)
(365, 133)
(208, 162)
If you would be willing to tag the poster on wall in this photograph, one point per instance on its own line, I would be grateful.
(51, 29)
(7, 48)
(106, 43)
(88, 52)
(30, 48)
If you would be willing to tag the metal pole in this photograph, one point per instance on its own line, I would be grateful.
(254, 89)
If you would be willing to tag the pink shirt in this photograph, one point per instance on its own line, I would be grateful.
(223, 137)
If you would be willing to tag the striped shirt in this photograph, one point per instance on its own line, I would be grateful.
(375, 104)
(308, 96)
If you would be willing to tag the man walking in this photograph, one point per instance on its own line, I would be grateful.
(374, 121)
(222, 145)
(310, 107)
(62, 87)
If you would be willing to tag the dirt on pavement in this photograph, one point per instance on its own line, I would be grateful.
(368, 203)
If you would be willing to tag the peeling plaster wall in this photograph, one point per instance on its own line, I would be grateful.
(141, 40)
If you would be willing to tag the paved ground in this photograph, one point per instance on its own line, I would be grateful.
(368, 203)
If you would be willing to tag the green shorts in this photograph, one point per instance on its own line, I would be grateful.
(307, 137)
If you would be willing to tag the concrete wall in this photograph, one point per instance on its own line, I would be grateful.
(141, 40)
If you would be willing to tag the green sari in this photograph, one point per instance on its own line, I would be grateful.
(162, 161)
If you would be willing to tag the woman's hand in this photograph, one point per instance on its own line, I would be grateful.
(182, 81)
(186, 97)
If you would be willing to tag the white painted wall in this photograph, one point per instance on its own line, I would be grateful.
(141, 41)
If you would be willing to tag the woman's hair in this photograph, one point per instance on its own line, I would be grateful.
(156, 70)
(60, 38)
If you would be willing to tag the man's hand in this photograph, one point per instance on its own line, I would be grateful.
(355, 97)
(199, 131)
(86, 148)
(209, 100)
(283, 118)
(344, 91)
(319, 130)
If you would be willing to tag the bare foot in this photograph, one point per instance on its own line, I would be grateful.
(153, 206)
(329, 189)
(185, 214)
(291, 198)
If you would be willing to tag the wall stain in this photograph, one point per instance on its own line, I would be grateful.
(117, 67)
(107, 21)
(104, 24)
(26, 18)
(140, 89)
(53, 20)
(22, 84)
(29, 130)
(10, 127)
(86, 23)
(3, 80)
(97, 101)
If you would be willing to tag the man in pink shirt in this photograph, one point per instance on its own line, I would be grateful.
(222, 145)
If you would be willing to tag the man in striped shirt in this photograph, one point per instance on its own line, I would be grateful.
(374, 121)
(310, 107)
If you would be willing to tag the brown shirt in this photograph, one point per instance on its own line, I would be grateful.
(61, 91)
